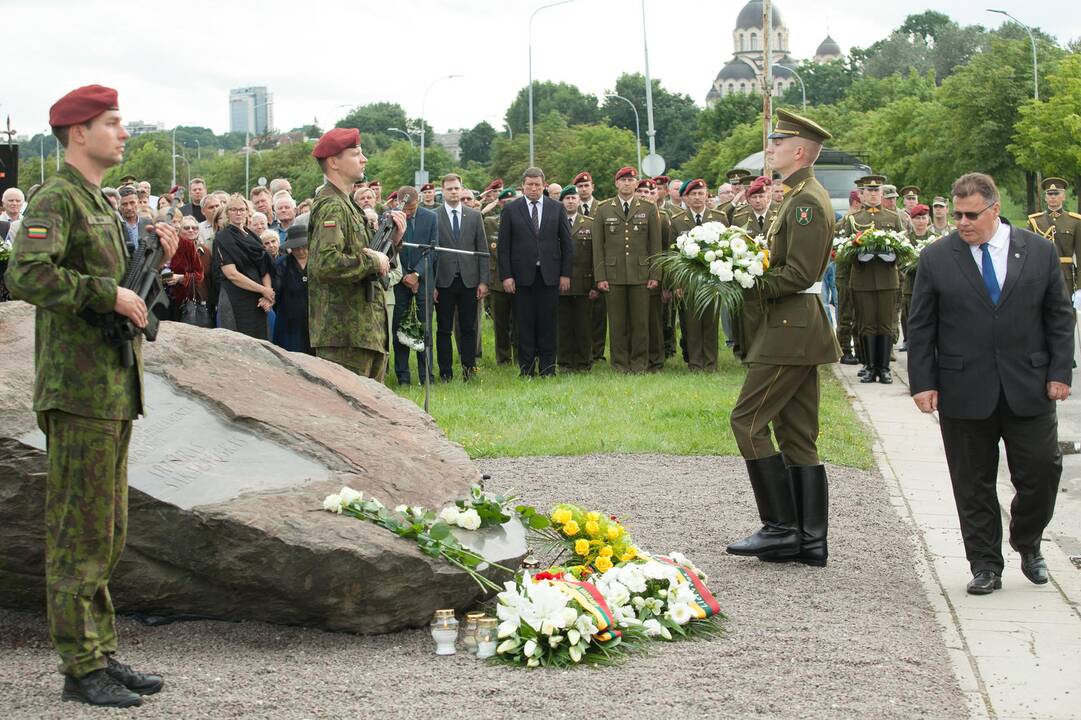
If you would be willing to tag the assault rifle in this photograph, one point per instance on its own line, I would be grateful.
(382, 242)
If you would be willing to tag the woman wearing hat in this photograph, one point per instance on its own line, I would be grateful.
(291, 290)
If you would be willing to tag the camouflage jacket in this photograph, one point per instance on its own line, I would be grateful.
(346, 307)
(68, 257)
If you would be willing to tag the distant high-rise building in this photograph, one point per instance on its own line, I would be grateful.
(138, 127)
(251, 109)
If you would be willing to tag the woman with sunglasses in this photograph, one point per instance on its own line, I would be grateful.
(186, 267)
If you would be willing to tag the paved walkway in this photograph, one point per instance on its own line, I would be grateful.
(1017, 652)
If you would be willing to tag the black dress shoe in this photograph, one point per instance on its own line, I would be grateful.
(99, 688)
(984, 582)
(1034, 567)
(137, 682)
(849, 360)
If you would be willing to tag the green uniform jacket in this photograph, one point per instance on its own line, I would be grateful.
(582, 267)
(346, 307)
(69, 256)
(491, 232)
(622, 246)
(789, 326)
(744, 217)
(1067, 229)
(876, 274)
(683, 221)
(908, 279)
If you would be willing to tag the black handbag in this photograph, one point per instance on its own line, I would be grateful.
(194, 312)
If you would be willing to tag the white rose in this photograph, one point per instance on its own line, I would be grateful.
(469, 520)
(449, 515)
(756, 269)
(349, 495)
(738, 245)
(691, 249)
(744, 280)
(724, 274)
(710, 256)
(333, 503)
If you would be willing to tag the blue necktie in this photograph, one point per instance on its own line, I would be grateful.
(990, 280)
(454, 228)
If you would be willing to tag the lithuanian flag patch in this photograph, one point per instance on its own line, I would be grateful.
(330, 224)
(37, 232)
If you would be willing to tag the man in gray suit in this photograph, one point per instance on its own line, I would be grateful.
(460, 280)
(990, 348)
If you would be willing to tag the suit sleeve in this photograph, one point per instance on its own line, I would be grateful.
(923, 329)
(1058, 325)
(805, 252)
(566, 245)
(503, 243)
(480, 244)
(429, 237)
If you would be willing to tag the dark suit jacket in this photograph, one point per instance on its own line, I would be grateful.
(424, 233)
(520, 247)
(967, 349)
(474, 268)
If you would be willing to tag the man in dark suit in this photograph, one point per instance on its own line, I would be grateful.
(535, 256)
(991, 349)
(461, 280)
(414, 285)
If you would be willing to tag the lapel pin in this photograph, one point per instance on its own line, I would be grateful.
(1017, 255)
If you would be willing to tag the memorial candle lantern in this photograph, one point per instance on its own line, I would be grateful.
(444, 631)
(469, 631)
(487, 632)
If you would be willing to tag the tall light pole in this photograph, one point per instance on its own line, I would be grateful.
(767, 82)
(637, 128)
(178, 155)
(198, 149)
(252, 107)
(421, 177)
(174, 159)
(802, 87)
(533, 15)
(42, 163)
(650, 131)
(407, 135)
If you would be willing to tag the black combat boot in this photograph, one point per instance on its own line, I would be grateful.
(873, 361)
(812, 509)
(99, 688)
(142, 683)
(773, 492)
(863, 354)
(885, 345)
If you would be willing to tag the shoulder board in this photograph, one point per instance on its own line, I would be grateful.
(602, 203)
(1074, 215)
(1037, 214)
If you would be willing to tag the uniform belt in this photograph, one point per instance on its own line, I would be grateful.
(1066, 260)
(815, 289)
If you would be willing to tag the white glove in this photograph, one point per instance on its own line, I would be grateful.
(887, 257)
(865, 257)
(1077, 299)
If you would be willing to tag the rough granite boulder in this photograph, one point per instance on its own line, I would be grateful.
(227, 475)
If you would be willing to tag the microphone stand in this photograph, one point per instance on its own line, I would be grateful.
(426, 253)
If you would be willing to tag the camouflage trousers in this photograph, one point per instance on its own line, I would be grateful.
(366, 363)
(86, 523)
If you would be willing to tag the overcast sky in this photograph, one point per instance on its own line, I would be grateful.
(320, 57)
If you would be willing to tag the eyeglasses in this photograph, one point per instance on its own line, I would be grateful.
(189, 227)
(243, 210)
(969, 215)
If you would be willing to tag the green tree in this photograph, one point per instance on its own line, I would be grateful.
(825, 83)
(714, 158)
(510, 158)
(674, 116)
(476, 143)
(147, 160)
(718, 120)
(396, 165)
(598, 149)
(373, 120)
(925, 42)
(577, 107)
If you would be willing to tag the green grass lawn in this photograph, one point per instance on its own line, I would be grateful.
(678, 412)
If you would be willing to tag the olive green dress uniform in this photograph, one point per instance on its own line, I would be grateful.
(600, 307)
(788, 331)
(908, 281)
(622, 247)
(701, 332)
(744, 217)
(1064, 228)
(574, 348)
(347, 313)
(68, 258)
(657, 307)
(501, 304)
(875, 283)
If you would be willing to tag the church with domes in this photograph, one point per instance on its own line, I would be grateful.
(744, 72)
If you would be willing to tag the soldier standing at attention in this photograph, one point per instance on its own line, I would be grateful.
(783, 354)
(940, 216)
(69, 259)
(698, 333)
(875, 283)
(626, 234)
(735, 179)
(1061, 227)
(347, 310)
(427, 196)
(647, 193)
(587, 205)
(574, 347)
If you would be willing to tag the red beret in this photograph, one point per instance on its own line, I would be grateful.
(582, 177)
(393, 196)
(427, 186)
(759, 185)
(694, 185)
(646, 183)
(918, 210)
(375, 183)
(336, 140)
(496, 184)
(625, 171)
(662, 179)
(854, 196)
(81, 105)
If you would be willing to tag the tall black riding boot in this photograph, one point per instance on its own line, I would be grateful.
(812, 499)
(863, 352)
(776, 499)
(885, 345)
(873, 362)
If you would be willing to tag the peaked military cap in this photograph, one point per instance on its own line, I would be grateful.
(789, 124)
(940, 201)
(871, 182)
(910, 191)
(1054, 183)
(736, 173)
(889, 191)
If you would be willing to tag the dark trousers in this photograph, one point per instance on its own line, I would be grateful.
(403, 299)
(575, 346)
(456, 297)
(1035, 463)
(502, 307)
(600, 327)
(628, 327)
(536, 308)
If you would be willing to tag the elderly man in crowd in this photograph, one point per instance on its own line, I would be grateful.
(261, 200)
(259, 224)
(210, 206)
(285, 211)
(13, 205)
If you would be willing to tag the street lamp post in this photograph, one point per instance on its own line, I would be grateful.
(174, 158)
(1032, 39)
(802, 87)
(533, 15)
(423, 106)
(650, 131)
(188, 164)
(42, 163)
(637, 129)
(403, 132)
(198, 149)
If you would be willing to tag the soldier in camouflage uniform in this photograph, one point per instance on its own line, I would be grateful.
(574, 345)
(347, 311)
(68, 259)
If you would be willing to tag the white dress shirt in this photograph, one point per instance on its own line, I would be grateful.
(457, 208)
(999, 247)
(540, 209)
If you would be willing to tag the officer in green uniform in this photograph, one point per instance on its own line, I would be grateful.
(846, 306)
(626, 234)
(698, 333)
(347, 312)
(500, 303)
(68, 259)
(921, 232)
(587, 205)
(756, 214)
(788, 339)
(658, 302)
(574, 346)
(875, 283)
(735, 178)
(940, 217)
(1060, 226)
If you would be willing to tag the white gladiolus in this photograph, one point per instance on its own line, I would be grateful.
(469, 520)
(349, 495)
(333, 503)
(449, 515)
(507, 646)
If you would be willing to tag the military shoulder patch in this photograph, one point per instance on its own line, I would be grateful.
(330, 223)
(37, 232)
(804, 215)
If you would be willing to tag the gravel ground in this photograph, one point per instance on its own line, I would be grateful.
(854, 640)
